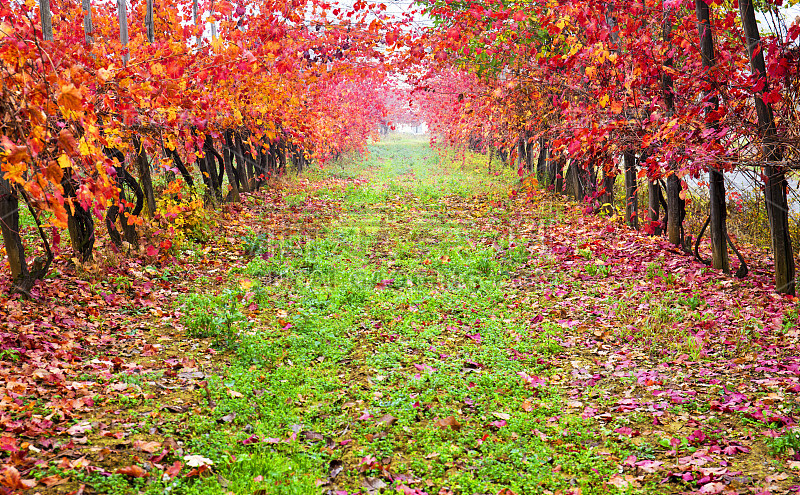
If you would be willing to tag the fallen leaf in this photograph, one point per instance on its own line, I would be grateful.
(373, 485)
(133, 471)
(450, 421)
(197, 461)
(388, 419)
(54, 480)
(336, 467)
(173, 470)
(79, 428)
(11, 478)
(715, 487)
(228, 418)
(149, 447)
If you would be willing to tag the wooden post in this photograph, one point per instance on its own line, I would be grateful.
(122, 15)
(196, 21)
(47, 20)
(631, 198)
(148, 22)
(654, 205)
(528, 154)
(574, 185)
(541, 163)
(87, 20)
(213, 23)
(775, 187)
(9, 209)
(676, 207)
(143, 164)
(609, 182)
(716, 181)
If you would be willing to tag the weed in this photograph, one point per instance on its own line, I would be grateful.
(693, 302)
(218, 317)
(295, 200)
(9, 355)
(789, 439)
(789, 322)
(598, 270)
(254, 243)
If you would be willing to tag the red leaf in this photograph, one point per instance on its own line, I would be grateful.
(198, 471)
(9, 444)
(152, 251)
(174, 470)
(225, 8)
(773, 96)
(54, 480)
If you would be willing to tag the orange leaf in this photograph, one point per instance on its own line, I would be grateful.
(225, 8)
(198, 471)
(147, 446)
(14, 154)
(54, 172)
(60, 212)
(133, 471)
(71, 97)
(54, 480)
(10, 478)
(67, 141)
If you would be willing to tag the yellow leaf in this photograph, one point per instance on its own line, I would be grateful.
(64, 161)
(104, 74)
(603, 101)
(14, 172)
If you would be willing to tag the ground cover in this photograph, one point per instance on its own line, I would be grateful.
(412, 321)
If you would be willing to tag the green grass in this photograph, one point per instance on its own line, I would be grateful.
(393, 320)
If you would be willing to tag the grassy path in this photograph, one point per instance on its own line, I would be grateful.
(402, 323)
(398, 355)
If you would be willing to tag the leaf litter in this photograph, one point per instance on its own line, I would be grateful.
(661, 375)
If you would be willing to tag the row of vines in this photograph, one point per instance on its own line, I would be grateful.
(663, 91)
(99, 100)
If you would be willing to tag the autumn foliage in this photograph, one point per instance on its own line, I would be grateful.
(269, 82)
(585, 83)
(677, 88)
